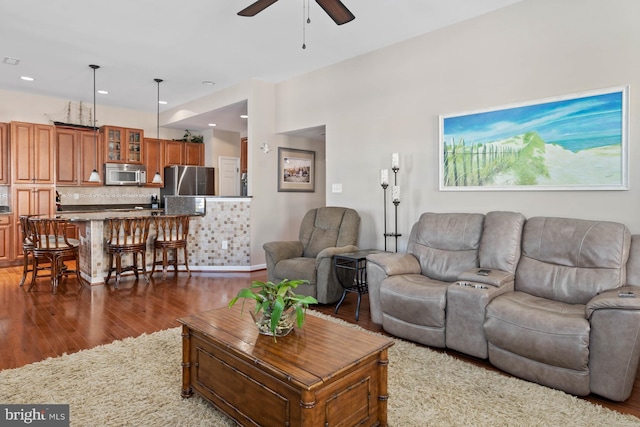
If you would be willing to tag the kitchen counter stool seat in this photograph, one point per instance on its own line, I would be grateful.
(127, 235)
(172, 232)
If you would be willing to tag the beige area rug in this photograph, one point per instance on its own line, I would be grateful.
(137, 382)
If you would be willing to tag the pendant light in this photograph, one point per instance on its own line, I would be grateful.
(95, 176)
(157, 178)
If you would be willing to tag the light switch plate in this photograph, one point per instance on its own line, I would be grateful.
(336, 188)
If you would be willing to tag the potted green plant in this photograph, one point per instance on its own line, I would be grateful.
(277, 306)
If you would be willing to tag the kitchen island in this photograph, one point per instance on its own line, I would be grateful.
(219, 240)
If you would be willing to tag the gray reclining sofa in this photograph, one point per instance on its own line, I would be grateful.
(552, 306)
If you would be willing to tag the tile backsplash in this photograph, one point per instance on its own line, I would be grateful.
(105, 195)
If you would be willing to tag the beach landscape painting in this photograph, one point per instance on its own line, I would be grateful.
(576, 142)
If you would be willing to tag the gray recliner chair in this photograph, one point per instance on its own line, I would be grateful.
(324, 232)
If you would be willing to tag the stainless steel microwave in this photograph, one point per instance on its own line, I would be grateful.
(124, 174)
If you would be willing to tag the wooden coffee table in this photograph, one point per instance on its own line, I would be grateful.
(324, 374)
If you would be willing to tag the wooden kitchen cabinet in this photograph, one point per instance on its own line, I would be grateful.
(154, 156)
(4, 153)
(193, 153)
(178, 153)
(135, 147)
(90, 158)
(113, 143)
(123, 145)
(76, 157)
(32, 153)
(173, 153)
(6, 239)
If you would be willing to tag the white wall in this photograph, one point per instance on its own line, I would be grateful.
(390, 100)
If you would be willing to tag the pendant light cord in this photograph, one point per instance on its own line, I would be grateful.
(305, 20)
(157, 177)
(95, 130)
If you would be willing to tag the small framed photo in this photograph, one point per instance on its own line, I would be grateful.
(296, 170)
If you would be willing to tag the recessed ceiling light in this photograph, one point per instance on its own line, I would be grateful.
(212, 124)
(10, 60)
(103, 92)
(244, 116)
(208, 83)
(163, 102)
(27, 78)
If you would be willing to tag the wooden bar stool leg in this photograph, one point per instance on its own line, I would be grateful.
(118, 268)
(110, 266)
(164, 262)
(25, 267)
(143, 254)
(153, 264)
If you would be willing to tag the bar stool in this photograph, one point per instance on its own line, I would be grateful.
(50, 243)
(171, 234)
(126, 235)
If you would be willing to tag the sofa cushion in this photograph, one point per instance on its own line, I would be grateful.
(501, 240)
(571, 260)
(446, 244)
(415, 299)
(550, 332)
(323, 228)
(301, 268)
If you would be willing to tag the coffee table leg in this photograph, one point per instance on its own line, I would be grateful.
(187, 391)
(383, 396)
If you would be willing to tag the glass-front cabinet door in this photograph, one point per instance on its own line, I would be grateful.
(122, 145)
(134, 145)
(113, 143)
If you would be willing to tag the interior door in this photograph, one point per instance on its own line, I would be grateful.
(229, 176)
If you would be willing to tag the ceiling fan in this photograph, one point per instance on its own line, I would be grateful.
(334, 8)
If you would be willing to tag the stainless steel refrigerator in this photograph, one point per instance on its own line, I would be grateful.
(188, 181)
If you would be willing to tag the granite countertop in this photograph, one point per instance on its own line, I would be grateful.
(106, 208)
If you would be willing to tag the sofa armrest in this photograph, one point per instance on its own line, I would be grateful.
(614, 342)
(277, 251)
(611, 300)
(497, 278)
(379, 267)
(331, 251)
(328, 287)
(394, 263)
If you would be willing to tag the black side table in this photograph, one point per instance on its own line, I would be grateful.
(351, 271)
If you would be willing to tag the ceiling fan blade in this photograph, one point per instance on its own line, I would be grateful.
(256, 7)
(336, 10)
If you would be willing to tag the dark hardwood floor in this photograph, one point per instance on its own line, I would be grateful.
(36, 325)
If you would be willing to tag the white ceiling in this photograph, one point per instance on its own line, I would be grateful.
(188, 42)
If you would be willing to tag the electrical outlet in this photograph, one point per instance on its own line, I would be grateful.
(76, 196)
(225, 244)
(336, 188)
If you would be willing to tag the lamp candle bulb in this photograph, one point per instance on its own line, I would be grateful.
(395, 161)
(384, 177)
(396, 193)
